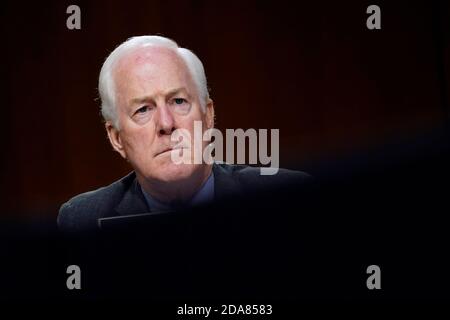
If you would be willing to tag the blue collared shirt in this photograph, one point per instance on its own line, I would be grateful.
(203, 196)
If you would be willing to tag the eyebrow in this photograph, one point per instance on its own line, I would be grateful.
(168, 94)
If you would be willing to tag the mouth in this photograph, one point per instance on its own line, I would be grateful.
(167, 150)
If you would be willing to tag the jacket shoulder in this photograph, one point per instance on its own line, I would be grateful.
(253, 177)
(82, 211)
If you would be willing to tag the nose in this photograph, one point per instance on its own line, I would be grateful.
(165, 123)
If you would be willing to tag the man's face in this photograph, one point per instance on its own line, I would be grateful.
(155, 94)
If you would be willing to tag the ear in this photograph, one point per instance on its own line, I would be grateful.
(209, 115)
(114, 139)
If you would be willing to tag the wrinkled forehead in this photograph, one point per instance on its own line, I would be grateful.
(149, 60)
(148, 71)
(147, 54)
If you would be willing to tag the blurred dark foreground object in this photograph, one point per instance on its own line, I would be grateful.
(288, 244)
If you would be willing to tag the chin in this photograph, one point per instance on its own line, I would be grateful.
(171, 172)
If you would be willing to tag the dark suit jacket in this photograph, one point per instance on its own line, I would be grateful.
(124, 197)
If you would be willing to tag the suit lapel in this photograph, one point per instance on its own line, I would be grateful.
(225, 185)
(133, 201)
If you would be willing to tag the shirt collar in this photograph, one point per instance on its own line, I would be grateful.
(203, 196)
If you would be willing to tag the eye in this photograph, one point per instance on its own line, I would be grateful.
(179, 101)
(143, 109)
(180, 105)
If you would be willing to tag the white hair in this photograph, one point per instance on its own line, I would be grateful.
(106, 83)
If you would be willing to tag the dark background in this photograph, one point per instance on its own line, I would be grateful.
(364, 111)
(311, 69)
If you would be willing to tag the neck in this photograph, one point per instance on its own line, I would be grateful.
(176, 192)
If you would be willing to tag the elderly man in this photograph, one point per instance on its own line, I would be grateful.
(150, 87)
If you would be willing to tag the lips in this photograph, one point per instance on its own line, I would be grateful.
(164, 151)
(168, 149)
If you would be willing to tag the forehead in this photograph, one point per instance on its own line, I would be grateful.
(150, 68)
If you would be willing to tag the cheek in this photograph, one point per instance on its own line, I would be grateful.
(139, 142)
